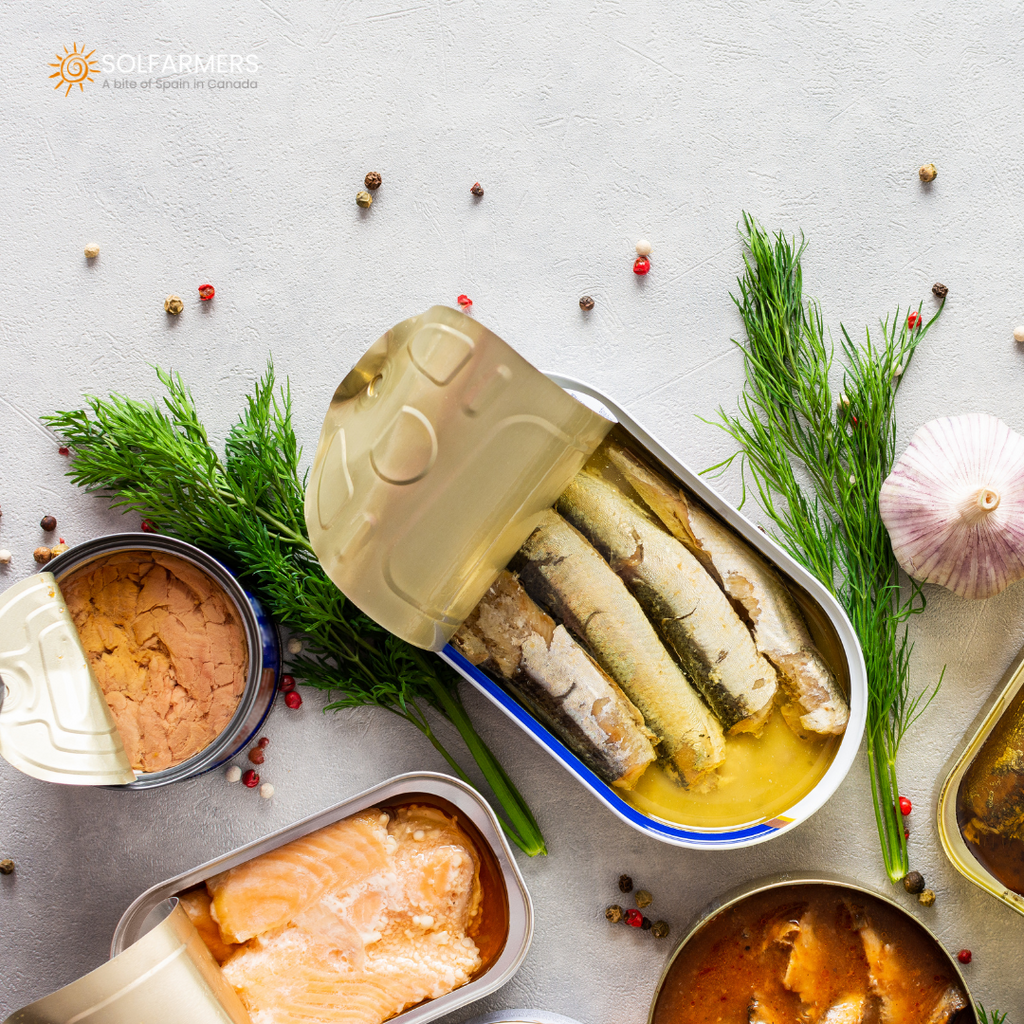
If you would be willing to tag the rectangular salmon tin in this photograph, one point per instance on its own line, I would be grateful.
(440, 452)
(1002, 711)
(830, 628)
(508, 890)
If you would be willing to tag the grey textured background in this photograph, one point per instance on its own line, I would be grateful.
(589, 124)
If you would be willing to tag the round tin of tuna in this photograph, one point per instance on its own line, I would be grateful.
(718, 915)
(261, 645)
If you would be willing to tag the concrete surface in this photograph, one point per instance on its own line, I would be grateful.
(590, 124)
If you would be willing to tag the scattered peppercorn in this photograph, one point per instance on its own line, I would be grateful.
(42, 555)
(940, 291)
(906, 834)
(206, 292)
(913, 882)
(643, 898)
(905, 806)
(613, 913)
(625, 883)
(364, 199)
(914, 321)
(266, 791)
(464, 301)
(233, 774)
(641, 265)
(372, 181)
(58, 549)
(926, 898)
(48, 523)
(586, 302)
(264, 742)
(173, 304)
(64, 450)
(293, 700)
(643, 247)
(147, 526)
(964, 956)
(660, 929)
(634, 918)
(257, 756)
(287, 683)
(927, 172)
(6, 866)
(92, 250)
(646, 924)
(5, 556)
(294, 645)
(477, 189)
(250, 778)
(1018, 333)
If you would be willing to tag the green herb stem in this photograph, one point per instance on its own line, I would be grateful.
(818, 464)
(247, 510)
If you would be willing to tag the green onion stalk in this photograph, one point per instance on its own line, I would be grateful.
(818, 462)
(246, 508)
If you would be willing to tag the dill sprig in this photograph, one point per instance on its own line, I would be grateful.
(247, 510)
(818, 465)
(990, 1016)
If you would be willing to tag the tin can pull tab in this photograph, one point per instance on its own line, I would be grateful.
(55, 724)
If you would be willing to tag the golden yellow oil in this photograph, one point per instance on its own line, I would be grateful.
(761, 778)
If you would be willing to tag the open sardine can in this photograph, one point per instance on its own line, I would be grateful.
(55, 721)
(158, 958)
(981, 806)
(442, 452)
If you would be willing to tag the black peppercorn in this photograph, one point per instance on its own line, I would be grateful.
(625, 883)
(372, 181)
(660, 929)
(586, 302)
(477, 189)
(6, 866)
(940, 291)
(646, 924)
(913, 882)
(48, 523)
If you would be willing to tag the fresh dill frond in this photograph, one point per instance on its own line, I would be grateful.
(818, 462)
(247, 510)
(990, 1016)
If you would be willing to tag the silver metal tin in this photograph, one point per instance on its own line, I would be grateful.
(826, 619)
(150, 908)
(261, 640)
(781, 881)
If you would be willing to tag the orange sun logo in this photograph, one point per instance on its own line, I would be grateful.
(74, 68)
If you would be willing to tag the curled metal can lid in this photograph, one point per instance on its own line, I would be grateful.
(168, 975)
(55, 724)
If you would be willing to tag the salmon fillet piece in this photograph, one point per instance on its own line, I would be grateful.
(269, 891)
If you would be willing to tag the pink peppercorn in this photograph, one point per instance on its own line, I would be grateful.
(293, 700)
(464, 301)
(287, 684)
(250, 778)
(634, 918)
(905, 806)
(641, 265)
(206, 292)
(148, 526)
(964, 956)
(914, 321)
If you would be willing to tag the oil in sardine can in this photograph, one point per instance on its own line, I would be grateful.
(49, 676)
(981, 806)
(447, 483)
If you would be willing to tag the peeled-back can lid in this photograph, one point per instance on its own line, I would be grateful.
(168, 975)
(439, 452)
(55, 724)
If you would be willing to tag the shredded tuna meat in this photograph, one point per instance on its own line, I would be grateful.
(167, 649)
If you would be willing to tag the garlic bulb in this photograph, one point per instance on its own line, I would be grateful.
(954, 505)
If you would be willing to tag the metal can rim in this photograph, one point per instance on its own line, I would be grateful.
(739, 893)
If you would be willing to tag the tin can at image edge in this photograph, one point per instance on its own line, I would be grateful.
(262, 648)
(149, 908)
(738, 894)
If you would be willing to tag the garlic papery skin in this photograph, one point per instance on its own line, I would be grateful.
(954, 505)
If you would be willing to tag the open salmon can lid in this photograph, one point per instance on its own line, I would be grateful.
(440, 451)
